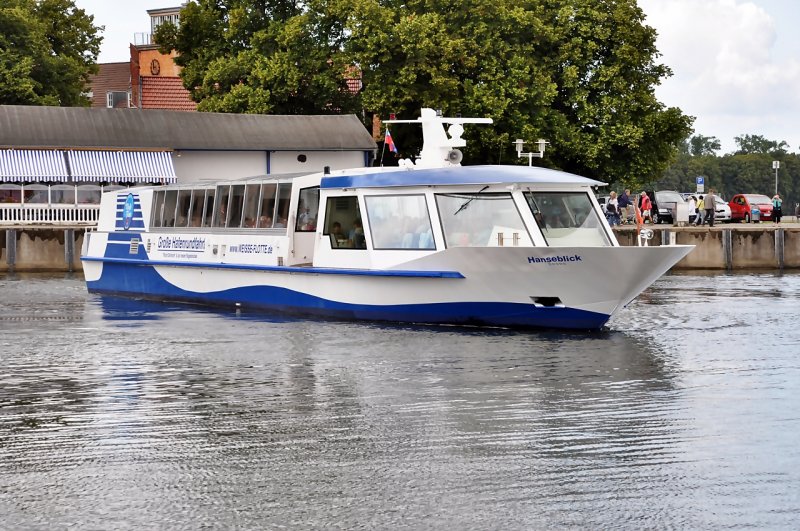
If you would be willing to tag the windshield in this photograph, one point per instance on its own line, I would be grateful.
(669, 197)
(567, 219)
(481, 220)
(759, 199)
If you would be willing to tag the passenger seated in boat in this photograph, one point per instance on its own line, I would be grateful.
(265, 222)
(305, 218)
(281, 223)
(249, 223)
(222, 214)
(338, 237)
(356, 236)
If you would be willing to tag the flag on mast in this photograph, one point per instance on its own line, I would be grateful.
(389, 142)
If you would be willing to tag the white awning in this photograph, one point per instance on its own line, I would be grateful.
(121, 166)
(32, 165)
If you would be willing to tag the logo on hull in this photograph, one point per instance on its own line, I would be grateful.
(127, 212)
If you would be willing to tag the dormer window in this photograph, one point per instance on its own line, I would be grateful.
(118, 99)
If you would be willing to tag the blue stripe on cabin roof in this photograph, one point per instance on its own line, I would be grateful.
(457, 175)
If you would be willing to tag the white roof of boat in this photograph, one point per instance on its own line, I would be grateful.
(456, 175)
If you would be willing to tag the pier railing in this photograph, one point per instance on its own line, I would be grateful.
(19, 215)
(64, 205)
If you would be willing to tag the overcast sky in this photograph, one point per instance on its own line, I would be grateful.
(736, 63)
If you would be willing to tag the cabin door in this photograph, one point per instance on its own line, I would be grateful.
(303, 248)
(305, 226)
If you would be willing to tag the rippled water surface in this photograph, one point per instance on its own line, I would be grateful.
(118, 414)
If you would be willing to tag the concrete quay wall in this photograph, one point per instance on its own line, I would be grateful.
(725, 247)
(41, 249)
(728, 247)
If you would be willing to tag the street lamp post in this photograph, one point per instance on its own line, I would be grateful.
(775, 165)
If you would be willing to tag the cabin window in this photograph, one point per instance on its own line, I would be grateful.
(343, 223)
(399, 222)
(235, 206)
(251, 194)
(184, 206)
(481, 220)
(208, 212)
(307, 210)
(282, 212)
(198, 202)
(567, 219)
(221, 208)
(170, 204)
(267, 209)
(158, 209)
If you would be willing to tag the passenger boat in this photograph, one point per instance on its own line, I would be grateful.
(430, 241)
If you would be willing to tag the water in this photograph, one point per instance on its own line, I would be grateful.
(117, 414)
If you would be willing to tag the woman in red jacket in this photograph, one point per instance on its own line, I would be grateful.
(645, 205)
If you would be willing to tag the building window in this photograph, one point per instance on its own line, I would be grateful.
(156, 21)
(118, 99)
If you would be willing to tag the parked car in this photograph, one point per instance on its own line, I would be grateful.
(665, 206)
(750, 207)
(722, 211)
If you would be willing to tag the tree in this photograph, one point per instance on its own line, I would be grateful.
(260, 57)
(581, 73)
(758, 144)
(48, 49)
(700, 145)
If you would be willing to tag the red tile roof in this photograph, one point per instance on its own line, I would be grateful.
(162, 92)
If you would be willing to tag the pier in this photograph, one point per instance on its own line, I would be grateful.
(728, 246)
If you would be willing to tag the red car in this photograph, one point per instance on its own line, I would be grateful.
(751, 207)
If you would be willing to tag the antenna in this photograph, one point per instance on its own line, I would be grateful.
(438, 144)
(541, 143)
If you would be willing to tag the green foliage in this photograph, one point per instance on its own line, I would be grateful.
(700, 145)
(758, 144)
(580, 73)
(48, 49)
(749, 170)
(260, 57)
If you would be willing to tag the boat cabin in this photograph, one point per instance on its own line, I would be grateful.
(368, 218)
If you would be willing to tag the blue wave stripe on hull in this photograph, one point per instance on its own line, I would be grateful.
(145, 282)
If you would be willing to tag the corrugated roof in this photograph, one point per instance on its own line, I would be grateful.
(73, 127)
(164, 92)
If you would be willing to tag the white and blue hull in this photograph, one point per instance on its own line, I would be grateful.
(426, 242)
(576, 288)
